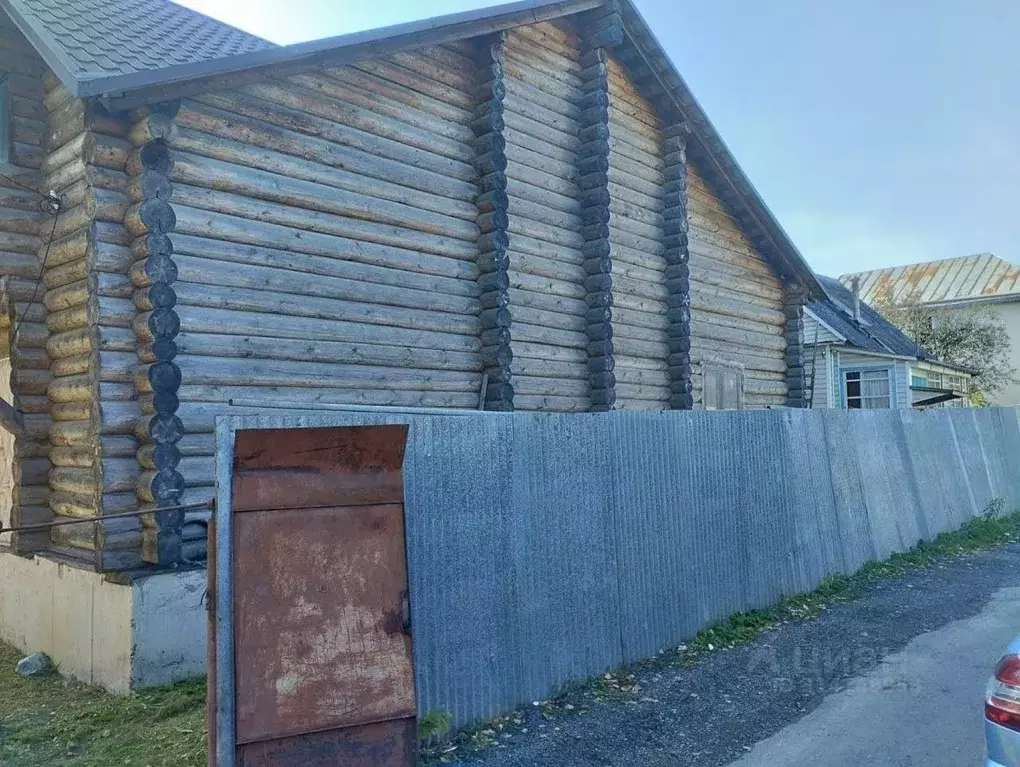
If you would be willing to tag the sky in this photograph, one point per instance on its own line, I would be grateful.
(879, 132)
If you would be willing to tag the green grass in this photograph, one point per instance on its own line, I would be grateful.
(55, 721)
(51, 720)
(989, 530)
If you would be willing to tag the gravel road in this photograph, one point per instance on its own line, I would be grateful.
(715, 712)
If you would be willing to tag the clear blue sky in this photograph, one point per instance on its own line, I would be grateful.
(880, 132)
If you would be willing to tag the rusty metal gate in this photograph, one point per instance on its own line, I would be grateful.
(314, 665)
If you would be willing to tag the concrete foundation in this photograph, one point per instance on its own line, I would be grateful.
(118, 636)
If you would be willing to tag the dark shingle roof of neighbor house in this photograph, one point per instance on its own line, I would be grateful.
(874, 334)
(90, 40)
(163, 62)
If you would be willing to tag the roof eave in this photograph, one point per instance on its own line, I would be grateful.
(129, 91)
(716, 149)
(47, 47)
(122, 92)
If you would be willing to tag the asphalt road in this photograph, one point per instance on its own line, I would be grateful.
(894, 678)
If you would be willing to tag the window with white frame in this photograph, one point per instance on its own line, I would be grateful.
(867, 389)
(722, 388)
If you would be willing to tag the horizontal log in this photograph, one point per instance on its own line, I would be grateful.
(75, 294)
(710, 298)
(290, 373)
(117, 418)
(16, 221)
(320, 266)
(315, 196)
(556, 58)
(199, 417)
(71, 366)
(266, 127)
(356, 353)
(375, 110)
(35, 359)
(30, 382)
(282, 281)
(301, 220)
(554, 320)
(20, 243)
(552, 403)
(67, 319)
(202, 223)
(190, 445)
(703, 349)
(642, 392)
(25, 265)
(440, 63)
(215, 320)
(545, 335)
(738, 323)
(400, 85)
(351, 127)
(70, 343)
(702, 328)
(545, 301)
(555, 70)
(71, 388)
(251, 300)
(71, 411)
(34, 404)
(532, 368)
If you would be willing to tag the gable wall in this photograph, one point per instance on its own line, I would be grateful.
(736, 300)
(325, 244)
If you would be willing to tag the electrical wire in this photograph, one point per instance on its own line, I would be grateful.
(54, 207)
(50, 204)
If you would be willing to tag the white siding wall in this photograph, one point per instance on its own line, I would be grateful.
(820, 357)
(848, 359)
(816, 332)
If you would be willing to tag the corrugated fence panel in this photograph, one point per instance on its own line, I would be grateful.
(547, 548)
(653, 491)
(562, 546)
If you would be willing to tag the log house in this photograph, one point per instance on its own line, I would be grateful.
(527, 196)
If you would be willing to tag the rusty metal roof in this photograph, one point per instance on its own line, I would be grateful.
(955, 280)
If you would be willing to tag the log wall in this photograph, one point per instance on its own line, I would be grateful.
(89, 311)
(636, 184)
(511, 210)
(737, 300)
(547, 293)
(326, 243)
(21, 303)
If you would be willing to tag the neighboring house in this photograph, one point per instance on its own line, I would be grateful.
(522, 207)
(982, 281)
(858, 359)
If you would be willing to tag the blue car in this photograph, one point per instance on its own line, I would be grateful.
(1002, 711)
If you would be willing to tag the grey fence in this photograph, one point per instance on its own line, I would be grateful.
(547, 548)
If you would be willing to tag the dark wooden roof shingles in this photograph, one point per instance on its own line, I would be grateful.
(99, 38)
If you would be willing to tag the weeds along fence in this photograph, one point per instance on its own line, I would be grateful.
(548, 548)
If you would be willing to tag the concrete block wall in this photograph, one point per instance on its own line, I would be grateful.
(116, 635)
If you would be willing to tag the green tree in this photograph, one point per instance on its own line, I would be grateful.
(974, 338)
